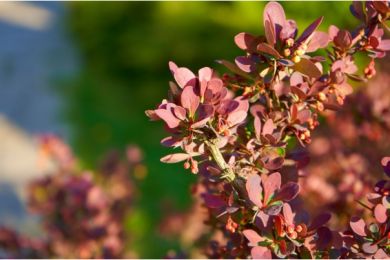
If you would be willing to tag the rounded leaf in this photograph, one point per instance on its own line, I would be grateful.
(358, 226)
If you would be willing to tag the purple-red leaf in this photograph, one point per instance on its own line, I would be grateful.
(168, 117)
(268, 127)
(189, 99)
(174, 158)
(318, 40)
(252, 237)
(245, 41)
(358, 226)
(271, 183)
(213, 201)
(184, 77)
(288, 192)
(380, 213)
(310, 30)
(386, 165)
(260, 252)
(308, 68)
(319, 221)
(254, 189)
(246, 64)
(268, 49)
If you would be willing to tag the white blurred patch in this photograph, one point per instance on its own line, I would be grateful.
(25, 14)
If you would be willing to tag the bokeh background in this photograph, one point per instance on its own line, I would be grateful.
(87, 71)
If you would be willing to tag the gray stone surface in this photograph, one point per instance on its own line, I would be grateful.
(32, 60)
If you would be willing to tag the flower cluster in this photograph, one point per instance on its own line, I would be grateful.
(82, 215)
(237, 131)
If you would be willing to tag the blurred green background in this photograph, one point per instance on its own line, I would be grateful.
(125, 48)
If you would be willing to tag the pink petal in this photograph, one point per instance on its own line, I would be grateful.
(184, 77)
(189, 99)
(174, 158)
(254, 189)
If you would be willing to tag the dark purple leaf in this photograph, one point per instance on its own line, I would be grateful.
(203, 115)
(288, 192)
(286, 62)
(310, 30)
(319, 221)
(274, 208)
(213, 201)
(246, 64)
(324, 238)
(233, 68)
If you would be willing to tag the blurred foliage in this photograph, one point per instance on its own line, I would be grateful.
(125, 48)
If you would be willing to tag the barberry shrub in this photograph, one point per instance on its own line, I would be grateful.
(82, 213)
(238, 133)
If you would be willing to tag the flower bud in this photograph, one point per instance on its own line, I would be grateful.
(290, 229)
(299, 228)
(287, 52)
(322, 96)
(320, 106)
(293, 235)
(299, 52)
(296, 59)
(290, 42)
(187, 165)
